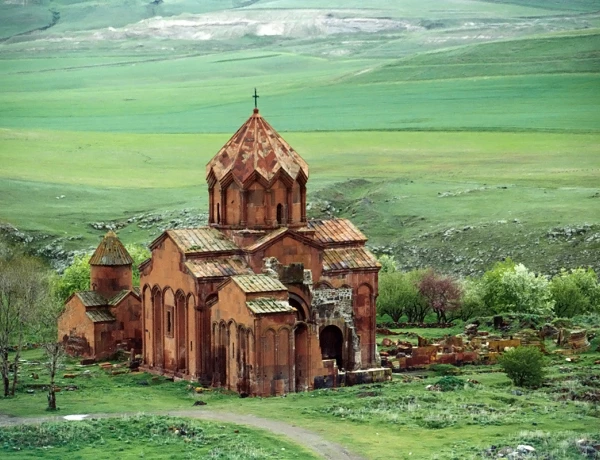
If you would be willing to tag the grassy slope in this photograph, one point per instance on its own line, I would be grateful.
(562, 165)
(535, 84)
(145, 437)
(529, 84)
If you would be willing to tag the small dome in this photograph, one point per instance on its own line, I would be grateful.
(111, 251)
(256, 148)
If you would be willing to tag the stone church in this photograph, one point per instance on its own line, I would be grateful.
(261, 301)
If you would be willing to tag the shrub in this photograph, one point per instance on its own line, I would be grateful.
(575, 292)
(450, 383)
(445, 369)
(524, 366)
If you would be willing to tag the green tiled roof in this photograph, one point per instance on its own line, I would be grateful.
(218, 267)
(201, 240)
(118, 297)
(349, 259)
(100, 316)
(266, 306)
(258, 283)
(92, 298)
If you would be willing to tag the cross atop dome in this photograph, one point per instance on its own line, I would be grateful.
(257, 169)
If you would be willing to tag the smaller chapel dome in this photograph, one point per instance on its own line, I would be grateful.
(256, 148)
(111, 251)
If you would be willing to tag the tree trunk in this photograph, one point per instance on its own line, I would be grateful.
(5, 379)
(53, 350)
(51, 398)
(16, 362)
(15, 372)
(443, 318)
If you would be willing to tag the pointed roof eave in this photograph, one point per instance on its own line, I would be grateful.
(275, 236)
(159, 239)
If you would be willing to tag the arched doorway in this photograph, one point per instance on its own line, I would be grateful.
(295, 302)
(331, 340)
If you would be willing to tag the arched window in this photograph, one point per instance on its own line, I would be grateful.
(218, 213)
(280, 214)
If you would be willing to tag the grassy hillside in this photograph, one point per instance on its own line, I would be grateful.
(434, 115)
(405, 190)
(547, 83)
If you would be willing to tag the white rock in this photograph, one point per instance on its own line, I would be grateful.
(75, 417)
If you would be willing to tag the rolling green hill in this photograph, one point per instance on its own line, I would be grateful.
(434, 115)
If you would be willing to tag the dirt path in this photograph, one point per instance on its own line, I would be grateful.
(306, 438)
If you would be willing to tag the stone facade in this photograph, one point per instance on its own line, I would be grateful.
(261, 301)
(107, 318)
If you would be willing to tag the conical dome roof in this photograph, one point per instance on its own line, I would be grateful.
(256, 148)
(111, 251)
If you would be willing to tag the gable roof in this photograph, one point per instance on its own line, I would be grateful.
(119, 296)
(275, 235)
(258, 283)
(218, 267)
(101, 315)
(349, 259)
(91, 298)
(198, 240)
(336, 232)
(256, 148)
(266, 306)
(111, 251)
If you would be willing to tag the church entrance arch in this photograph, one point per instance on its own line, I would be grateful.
(331, 340)
(298, 303)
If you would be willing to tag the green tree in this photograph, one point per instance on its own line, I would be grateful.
(575, 292)
(399, 295)
(510, 287)
(77, 276)
(388, 264)
(524, 366)
(471, 304)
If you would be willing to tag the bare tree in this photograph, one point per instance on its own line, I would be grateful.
(24, 288)
(46, 329)
(54, 354)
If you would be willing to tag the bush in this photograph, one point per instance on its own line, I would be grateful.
(445, 369)
(524, 366)
(450, 383)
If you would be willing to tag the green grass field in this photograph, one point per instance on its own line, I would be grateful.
(400, 419)
(145, 437)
